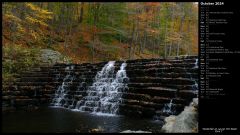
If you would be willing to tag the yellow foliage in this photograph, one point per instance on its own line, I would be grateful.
(40, 13)
(44, 17)
(36, 8)
(12, 17)
(35, 21)
(20, 29)
(32, 7)
(174, 36)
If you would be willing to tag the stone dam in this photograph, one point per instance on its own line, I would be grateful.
(149, 88)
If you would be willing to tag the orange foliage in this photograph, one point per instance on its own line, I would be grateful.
(152, 4)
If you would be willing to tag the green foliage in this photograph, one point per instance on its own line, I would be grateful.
(135, 27)
(80, 40)
(17, 59)
(107, 38)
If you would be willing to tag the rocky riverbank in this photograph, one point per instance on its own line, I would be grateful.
(185, 122)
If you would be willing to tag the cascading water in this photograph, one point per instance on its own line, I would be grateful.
(196, 64)
(114, 95)
(103, 95)
(169, 108)
(60, 97)
(98, 90)
(195, 85)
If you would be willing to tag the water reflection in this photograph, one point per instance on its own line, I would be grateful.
(60, 120)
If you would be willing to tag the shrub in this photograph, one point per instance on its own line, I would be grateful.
(17, 59)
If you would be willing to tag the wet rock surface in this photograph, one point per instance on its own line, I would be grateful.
(185, 122)
(152, 83)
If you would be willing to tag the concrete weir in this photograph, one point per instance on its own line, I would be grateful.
(149, 88)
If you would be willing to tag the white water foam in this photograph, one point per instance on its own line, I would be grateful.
(103, 96)
(60, 94)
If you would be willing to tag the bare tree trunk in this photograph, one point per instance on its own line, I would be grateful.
(170, 50)
(93, 30)
(181, 24)
(81, 13)
(188, 48)
(153, 44)
(172, 29)
(132, 42)
(136, 38)
(165, 43)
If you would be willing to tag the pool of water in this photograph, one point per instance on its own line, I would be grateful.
(58, 120)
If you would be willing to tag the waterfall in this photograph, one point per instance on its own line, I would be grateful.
(168, 108)
(196, 64)
(61, 94)
(116, 87)
(195, 85)
(103, 95)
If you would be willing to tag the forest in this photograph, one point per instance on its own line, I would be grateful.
(96, 31)
(100, 67)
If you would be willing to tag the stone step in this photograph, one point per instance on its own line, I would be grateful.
(187, 65)
(153, 71)
(161, 65)
(25, 102)
(35, 69)
(76, 82)
(48, 95)
(75, 70)
(194, 76)
(64, 103)
(45, 68)
(136, 96)
(187, 94)
(176, 109)
(35, 79)
(49, 87)
(144, 85)
(84, 79)
(15, 97)
(92, 103)
(30, 87)
(173, 81)
(83, 64)
(161, 114)
(156, 106)
(78, 97)
(48, 91)
(15, 93)
(142, 103)
(72, 85)
(4, 98)
(164, 100)
(7, 92)
(35, 74)
(82, 68)
(152, 84)
(31, 83)
(153, 91)
(162, 59)
(79, 74)
(174, 61)
(87, 108)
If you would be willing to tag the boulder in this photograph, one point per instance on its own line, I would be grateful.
(185, 122)
(51, 56)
